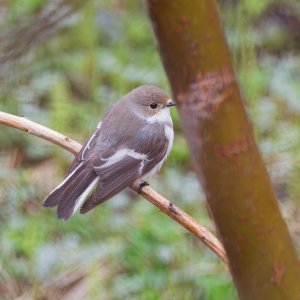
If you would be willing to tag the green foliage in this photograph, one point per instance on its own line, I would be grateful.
(18, 9)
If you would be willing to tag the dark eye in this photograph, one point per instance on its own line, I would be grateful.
(153, 105)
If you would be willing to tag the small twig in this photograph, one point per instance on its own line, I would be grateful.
(40, 131)
(184, 219)
(181, 217)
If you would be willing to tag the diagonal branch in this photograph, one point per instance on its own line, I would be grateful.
(181, 217)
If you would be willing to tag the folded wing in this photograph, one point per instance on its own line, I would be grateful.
(121, 168)
(105, 166)
(114, 177)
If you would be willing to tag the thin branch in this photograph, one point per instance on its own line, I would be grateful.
(181, 217)
(40, 131)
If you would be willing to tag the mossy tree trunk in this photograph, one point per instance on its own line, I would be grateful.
(263, 261)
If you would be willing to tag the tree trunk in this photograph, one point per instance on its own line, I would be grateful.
(263, 261)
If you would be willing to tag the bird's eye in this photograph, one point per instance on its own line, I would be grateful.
(153, 105)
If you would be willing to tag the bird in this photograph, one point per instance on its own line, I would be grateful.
(129, 146)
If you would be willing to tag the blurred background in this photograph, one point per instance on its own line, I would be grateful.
(62, 64)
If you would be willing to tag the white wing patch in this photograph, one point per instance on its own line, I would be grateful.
(141, 166)
(120, 155)
(137, 155)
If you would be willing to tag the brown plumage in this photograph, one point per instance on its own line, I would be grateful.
(130, 143)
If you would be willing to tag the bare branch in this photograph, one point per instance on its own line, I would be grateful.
(181, 217)
(18, 41)
(40, 131)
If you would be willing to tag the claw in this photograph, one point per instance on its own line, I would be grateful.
(142, 184)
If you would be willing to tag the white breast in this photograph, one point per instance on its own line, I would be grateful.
(169, 133)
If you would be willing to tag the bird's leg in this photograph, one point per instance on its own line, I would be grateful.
(142, 184)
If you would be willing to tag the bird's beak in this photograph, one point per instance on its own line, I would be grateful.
(171, 103)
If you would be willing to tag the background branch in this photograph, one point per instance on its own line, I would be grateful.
(181, 217)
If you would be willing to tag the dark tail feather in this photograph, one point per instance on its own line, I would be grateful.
(76, 194)
(70, 195)
(104, 191)
(54, 197)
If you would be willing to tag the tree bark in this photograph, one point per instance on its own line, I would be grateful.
(262, 259)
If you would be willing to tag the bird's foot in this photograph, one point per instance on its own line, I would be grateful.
(142, 184)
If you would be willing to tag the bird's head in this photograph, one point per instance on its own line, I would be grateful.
(149, 102)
